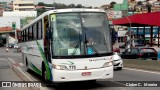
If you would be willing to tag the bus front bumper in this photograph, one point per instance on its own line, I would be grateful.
(82, 75)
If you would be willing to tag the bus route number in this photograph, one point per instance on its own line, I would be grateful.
(72, 67)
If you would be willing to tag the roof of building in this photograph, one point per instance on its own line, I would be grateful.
(6, 29)
(146, 19)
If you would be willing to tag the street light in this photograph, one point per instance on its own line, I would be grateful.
(129, 31)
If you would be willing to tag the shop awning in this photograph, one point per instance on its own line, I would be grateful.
(139, 20)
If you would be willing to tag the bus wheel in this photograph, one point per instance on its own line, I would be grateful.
(27, 66)
(44, 73)
(91, 81)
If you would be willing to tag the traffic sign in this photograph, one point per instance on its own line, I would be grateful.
(14, 25)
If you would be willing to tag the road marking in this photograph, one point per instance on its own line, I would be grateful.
(140, 70)
(118, 83)
(21, 64)
(11, 60)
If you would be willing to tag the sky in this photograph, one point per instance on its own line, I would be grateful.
(94, 3)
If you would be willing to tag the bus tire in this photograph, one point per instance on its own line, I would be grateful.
(44, 73)
(91, 81)
(27, 66)
(119, 68)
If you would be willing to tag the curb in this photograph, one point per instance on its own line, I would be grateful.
(152, 65)
(24, 76)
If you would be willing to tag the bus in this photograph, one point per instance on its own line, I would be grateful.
(67, 45)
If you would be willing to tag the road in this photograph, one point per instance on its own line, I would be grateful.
(6, 73)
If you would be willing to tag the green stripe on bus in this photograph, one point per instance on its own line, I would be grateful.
(35, 68)
(49, 77)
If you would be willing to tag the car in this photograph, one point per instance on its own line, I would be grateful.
(139, 53)
(16, 46)
(117, 61)
(134, 43)
(116, 50)
(11, 45)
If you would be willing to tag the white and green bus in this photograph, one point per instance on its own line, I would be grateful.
(66, 45)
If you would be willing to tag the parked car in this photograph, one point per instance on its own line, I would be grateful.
(140, 52)
(117, 61)
(134, 43)
(11, 45)
(16, 46)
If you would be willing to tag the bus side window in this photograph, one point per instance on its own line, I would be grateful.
(24, 37)
(30, 34)
(35, 31)
(40, 29)
(27, 34)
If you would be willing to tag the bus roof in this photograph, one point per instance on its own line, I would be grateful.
(63, 11)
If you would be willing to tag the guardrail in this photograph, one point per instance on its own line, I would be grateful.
(153, 65)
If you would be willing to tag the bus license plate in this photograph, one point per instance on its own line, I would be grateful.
(86, 73)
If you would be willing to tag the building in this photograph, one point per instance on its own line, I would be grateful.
(23, 5)
(2, 8)
(155, 6)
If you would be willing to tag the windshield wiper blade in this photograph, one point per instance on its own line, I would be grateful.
(77, 45)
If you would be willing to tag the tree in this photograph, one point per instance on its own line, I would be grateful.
(40, 11)
(71, 6)
(41, 4)
(149, 7)
(79, 6)
(112, 4)
(139, 3)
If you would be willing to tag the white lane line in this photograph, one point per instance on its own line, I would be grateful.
(118, 83)
(21, 64)
(11, 60)
(140, 70)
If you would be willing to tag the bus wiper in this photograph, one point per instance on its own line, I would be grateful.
(77, 45)
(86, 42)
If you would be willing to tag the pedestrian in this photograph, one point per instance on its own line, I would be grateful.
(147, 44)
(7, 49)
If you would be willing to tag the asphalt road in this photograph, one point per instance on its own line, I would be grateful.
(123, 75)
(6, 73)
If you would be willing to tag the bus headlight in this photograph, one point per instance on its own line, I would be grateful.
(108, 64)
(59, 67)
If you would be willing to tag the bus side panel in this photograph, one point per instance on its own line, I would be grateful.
(33, 56)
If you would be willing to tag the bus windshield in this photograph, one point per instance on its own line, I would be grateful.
(80, 34)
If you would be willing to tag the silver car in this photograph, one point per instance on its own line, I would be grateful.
(16, 46)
